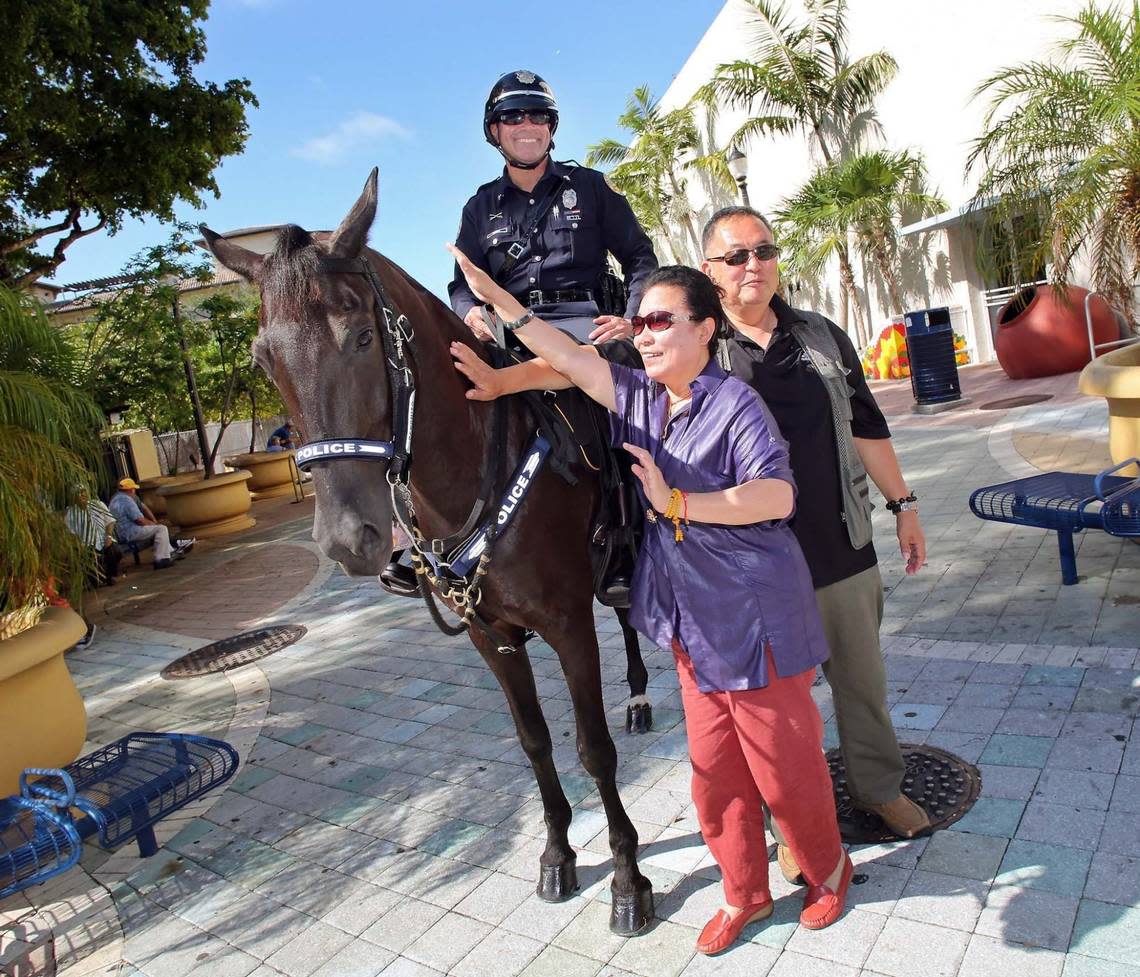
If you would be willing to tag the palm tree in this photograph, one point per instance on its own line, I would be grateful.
(48, 448)
(865, 196)
(651, 166)
(1062, 146)
(798, 78)
(812, 230)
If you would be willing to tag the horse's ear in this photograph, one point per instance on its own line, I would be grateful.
(236, 258)
(349, 239)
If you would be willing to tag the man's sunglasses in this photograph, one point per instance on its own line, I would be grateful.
(515, 117)
(739, 256)
(659, 321)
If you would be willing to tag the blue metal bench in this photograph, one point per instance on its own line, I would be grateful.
(118, 793)
(1066, 502)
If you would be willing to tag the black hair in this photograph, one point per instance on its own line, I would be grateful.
(727, 213)
(702, 295)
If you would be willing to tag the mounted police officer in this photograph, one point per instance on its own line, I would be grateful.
(543, 228)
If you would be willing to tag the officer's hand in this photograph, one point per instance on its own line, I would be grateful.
(477, 324)
(611, 327)
(482, 285)
(484, 379)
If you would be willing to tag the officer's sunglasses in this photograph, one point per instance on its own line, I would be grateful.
(659, 321)
(739, 256)
(515, 117)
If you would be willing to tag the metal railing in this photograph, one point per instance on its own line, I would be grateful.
(1093, 344)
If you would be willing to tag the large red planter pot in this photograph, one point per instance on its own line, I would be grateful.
(1040, 335)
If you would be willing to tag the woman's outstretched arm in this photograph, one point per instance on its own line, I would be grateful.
(580, 364)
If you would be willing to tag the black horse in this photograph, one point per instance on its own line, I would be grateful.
(344, 333)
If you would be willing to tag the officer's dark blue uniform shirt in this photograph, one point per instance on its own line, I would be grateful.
(569, 248)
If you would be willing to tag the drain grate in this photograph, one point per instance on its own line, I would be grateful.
(943, 785)
(233, 652)
(1010, 402)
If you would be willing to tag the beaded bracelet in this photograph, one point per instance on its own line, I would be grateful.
(905, 504)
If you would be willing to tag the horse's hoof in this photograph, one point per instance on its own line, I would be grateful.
(557, 883)
(632, 912)
(639, 718)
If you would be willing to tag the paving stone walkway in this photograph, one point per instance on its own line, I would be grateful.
(385, 820)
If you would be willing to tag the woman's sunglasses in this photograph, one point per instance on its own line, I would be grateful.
(538, 117)
(659, 321)
(739, 256)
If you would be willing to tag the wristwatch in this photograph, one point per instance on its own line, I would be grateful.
(519, 322)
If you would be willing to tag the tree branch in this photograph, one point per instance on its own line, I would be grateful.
(57, 256)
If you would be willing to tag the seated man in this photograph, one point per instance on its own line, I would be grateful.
(135, 523)
(275, 444)
(93, 523)
(287, 436)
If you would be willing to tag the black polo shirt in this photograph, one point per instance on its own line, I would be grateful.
(797, 398)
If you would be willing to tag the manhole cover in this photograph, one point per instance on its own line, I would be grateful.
(233, 652)
(1010, 402)
(944, 785)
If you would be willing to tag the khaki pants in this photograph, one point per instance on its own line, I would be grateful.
(852, 611)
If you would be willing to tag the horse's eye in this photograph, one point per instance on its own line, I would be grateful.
(364, 340)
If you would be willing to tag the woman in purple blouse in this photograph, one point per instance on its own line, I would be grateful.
(721, 580)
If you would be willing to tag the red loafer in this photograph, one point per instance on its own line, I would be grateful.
(721, 931)
(822, 906)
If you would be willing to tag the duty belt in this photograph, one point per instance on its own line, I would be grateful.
(558, 296)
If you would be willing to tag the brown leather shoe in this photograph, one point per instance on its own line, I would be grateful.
(905, 818)
(789, 867)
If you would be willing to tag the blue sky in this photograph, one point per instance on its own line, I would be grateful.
(345, 84)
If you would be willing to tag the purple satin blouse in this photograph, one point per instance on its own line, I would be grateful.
(725, 591)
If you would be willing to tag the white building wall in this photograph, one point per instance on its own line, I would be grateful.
(944, 51)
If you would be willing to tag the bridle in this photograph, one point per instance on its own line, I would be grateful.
(431, 558)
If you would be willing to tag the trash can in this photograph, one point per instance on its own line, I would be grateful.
(930, 347)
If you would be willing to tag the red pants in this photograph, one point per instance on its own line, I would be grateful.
(753, 747)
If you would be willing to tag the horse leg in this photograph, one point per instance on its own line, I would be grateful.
(639, 710)
(557, 878)
(577, 647)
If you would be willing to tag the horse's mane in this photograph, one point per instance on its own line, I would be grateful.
(290, 270)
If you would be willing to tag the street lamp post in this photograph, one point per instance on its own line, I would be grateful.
(738, 167)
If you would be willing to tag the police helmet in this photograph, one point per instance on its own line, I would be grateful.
(518, 90)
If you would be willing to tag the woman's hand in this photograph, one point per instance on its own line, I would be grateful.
(611, 327)
(482, 285)
(484, 378)
(652, 481)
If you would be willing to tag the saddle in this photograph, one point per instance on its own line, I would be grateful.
(578, 431)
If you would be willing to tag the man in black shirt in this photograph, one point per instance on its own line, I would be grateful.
(804, 366)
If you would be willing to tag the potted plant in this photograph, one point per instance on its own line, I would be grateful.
(48, 446)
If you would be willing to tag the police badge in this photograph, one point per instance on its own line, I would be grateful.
(525, 77)
(569, 199)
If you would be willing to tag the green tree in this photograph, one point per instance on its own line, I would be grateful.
(48, 447)
(798, 78)
(1061, 147)
(147, 341)
(650, 169)
(102, 118)
(863, 197)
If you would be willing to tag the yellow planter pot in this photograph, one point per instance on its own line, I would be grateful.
(1116, 377)
(271, 472)
(210, 507)
(148, 490)
(44, 723)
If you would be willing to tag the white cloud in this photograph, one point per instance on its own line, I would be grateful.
(361, 129)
